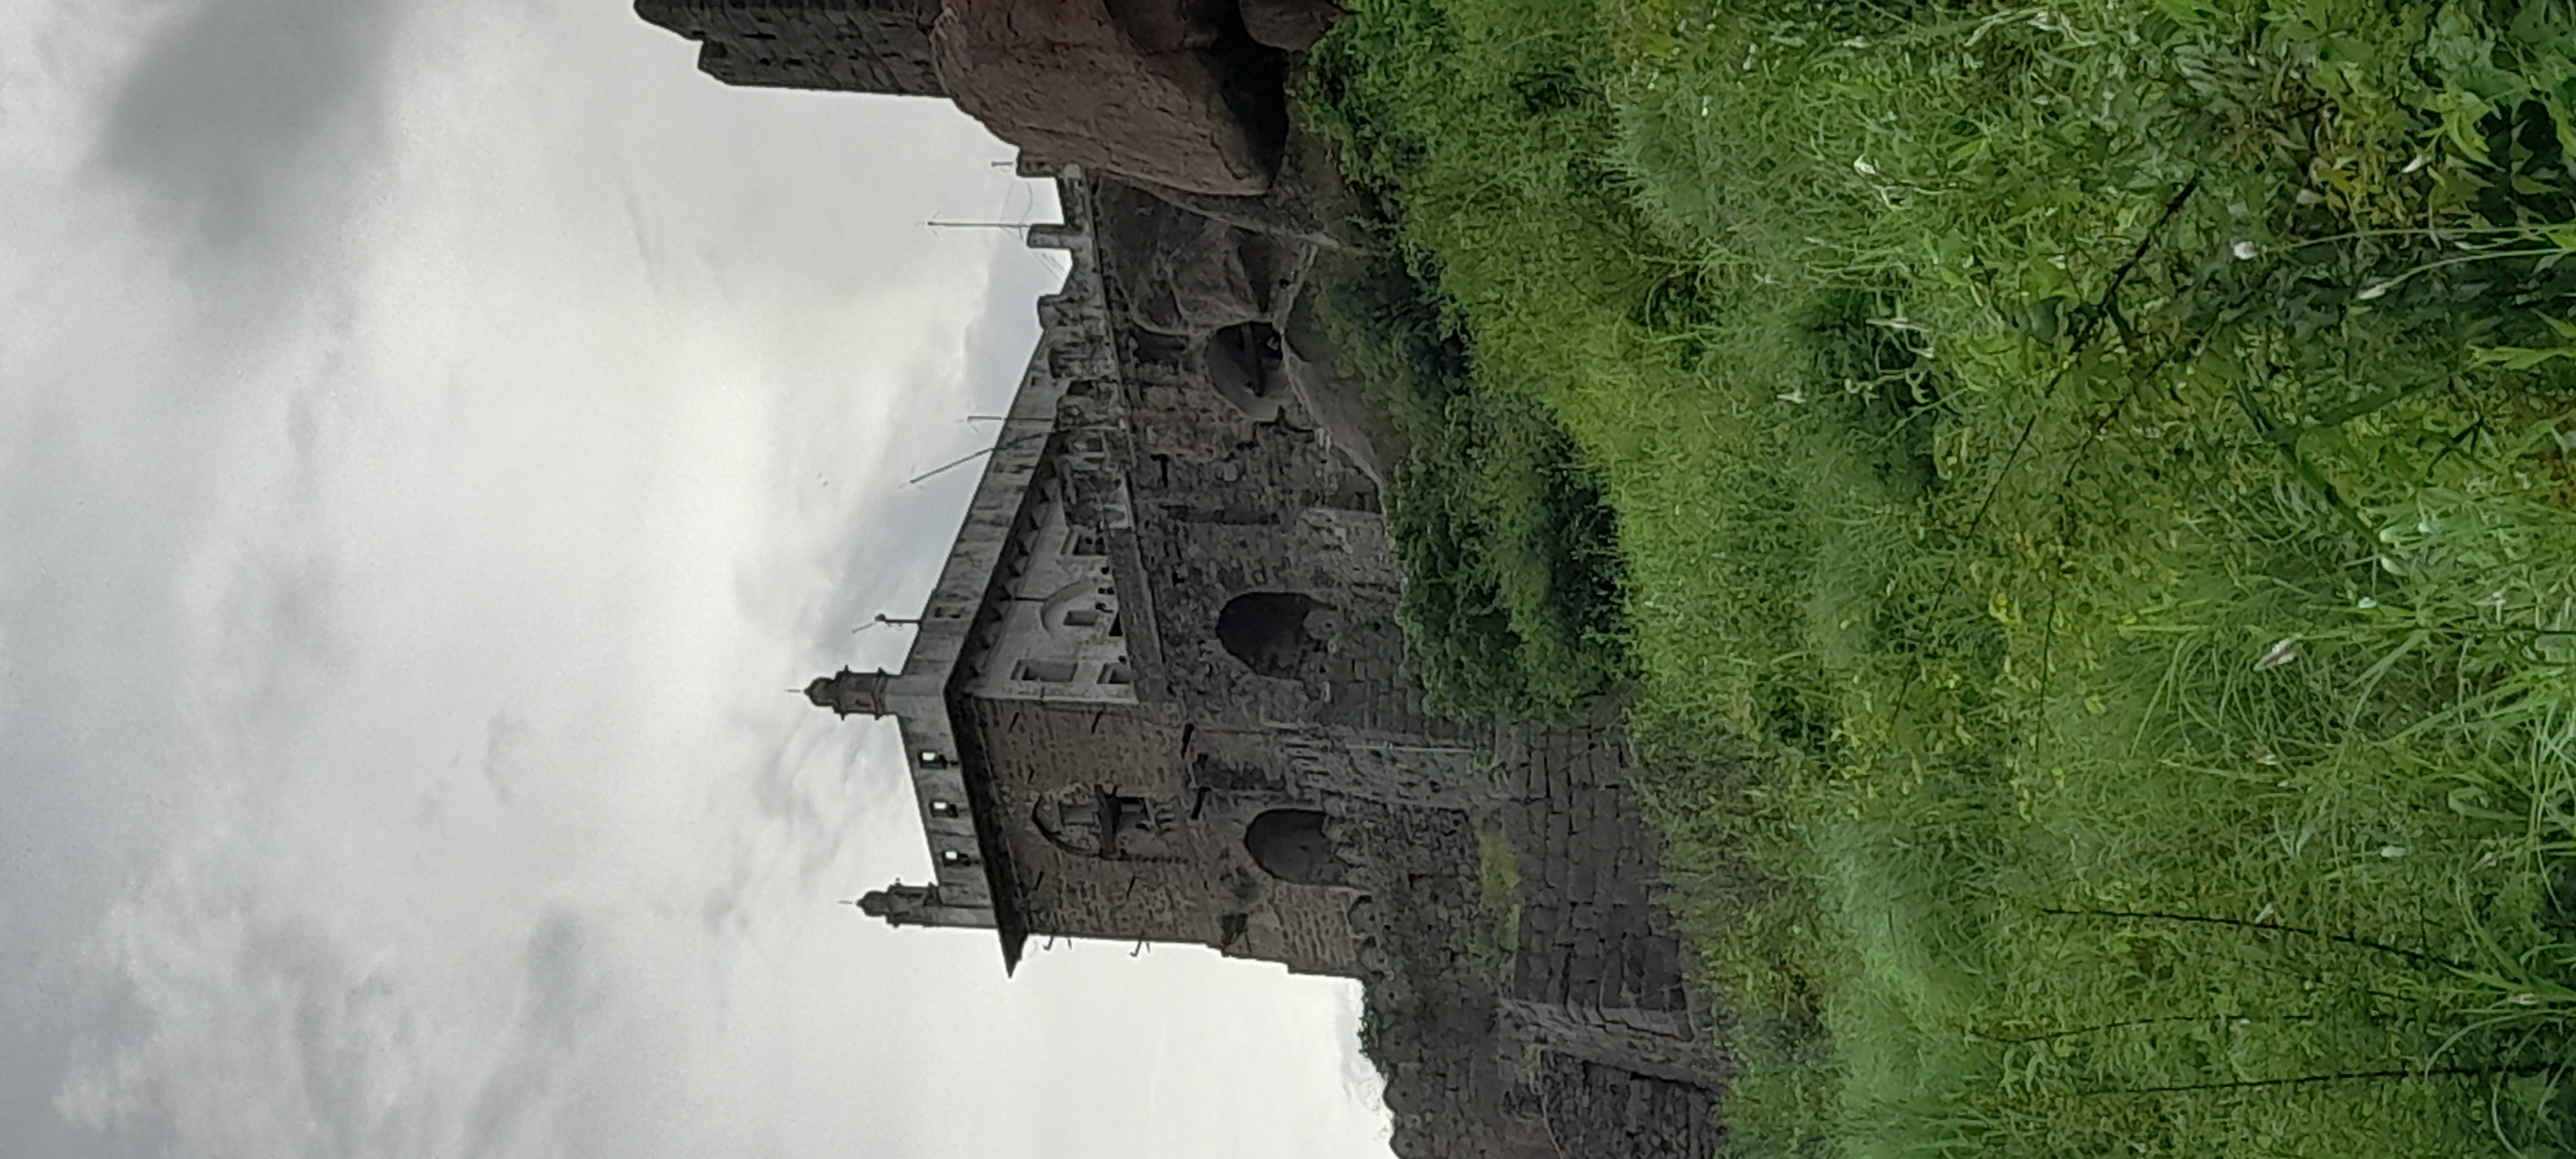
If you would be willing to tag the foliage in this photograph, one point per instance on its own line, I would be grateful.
(1498, 879)
(2094, 489)
(1512, 598)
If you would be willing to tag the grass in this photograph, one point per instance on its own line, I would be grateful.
(2093, 492)
(1498, 879)
(1515, 606)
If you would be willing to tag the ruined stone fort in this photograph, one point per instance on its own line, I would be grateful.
(1159, 692)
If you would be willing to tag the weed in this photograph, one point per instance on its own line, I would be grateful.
(1498, 877)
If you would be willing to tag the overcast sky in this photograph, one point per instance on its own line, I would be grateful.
(433, 436)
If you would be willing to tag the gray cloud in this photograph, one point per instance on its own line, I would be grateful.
(503, 734)
(561, 993)
(268, 1034)
(338, 1019)
(236, 106)
(266, 1038)
(85, 731)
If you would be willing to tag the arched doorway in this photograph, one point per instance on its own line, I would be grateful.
(1267, 631)
(1290, 844)
(1243, 364)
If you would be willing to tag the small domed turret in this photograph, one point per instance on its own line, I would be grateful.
(848, 692)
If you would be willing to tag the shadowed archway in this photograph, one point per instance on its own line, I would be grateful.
(1267, 631)
(1290, 844)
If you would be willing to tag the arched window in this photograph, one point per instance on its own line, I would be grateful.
(1267, 631)
(1243, 364)
(1289, 844)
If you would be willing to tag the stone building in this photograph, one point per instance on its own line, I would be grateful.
(1160, 666)
(1158, 691)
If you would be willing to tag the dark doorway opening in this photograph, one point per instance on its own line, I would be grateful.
(1289, 844)
(1267, 631)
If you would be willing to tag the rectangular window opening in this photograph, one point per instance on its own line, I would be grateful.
(1044, 671)
(1117, 674)
(1082, 617)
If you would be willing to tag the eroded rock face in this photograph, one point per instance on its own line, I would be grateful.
(1308, 202)
(1195, 274)
(1294, 25)
(1167, 91)
(1338, 405)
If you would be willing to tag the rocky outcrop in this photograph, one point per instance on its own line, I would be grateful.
(1193, 274)
(865, 46)
(1294, 25)
(1340, 404)
(1166, 91)
(1307, 202)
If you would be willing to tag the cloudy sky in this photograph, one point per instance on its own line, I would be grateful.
(433, 436)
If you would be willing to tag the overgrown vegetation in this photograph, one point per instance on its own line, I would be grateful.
(1513, 601)
(1498, 880)
(2094, 493)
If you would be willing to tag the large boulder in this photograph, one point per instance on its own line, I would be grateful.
(1167, 91)
(1294, 25)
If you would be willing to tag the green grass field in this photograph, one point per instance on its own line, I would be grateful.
(2094, 513)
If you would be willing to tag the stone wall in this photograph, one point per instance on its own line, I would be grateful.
(1111, 836)
(1241, 491)
(1181, 93)
(1578, 1038)
(1597, 1110)
(1591, 933)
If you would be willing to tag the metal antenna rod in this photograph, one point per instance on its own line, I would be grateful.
(962, 461)
(951, 465)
